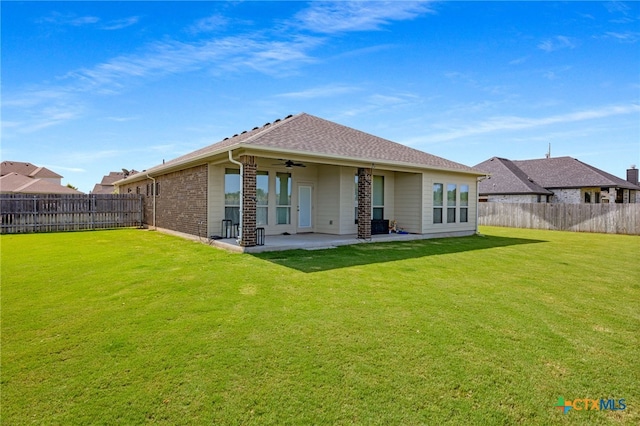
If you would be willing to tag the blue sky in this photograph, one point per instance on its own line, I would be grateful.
(93, 87)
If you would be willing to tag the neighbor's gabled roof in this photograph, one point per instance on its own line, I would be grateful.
(506, 178)
(305, 134)
(539, 176)
(568, 172)
(20, 184)
(27, 169)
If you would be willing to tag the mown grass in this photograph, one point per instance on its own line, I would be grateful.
(138, 327)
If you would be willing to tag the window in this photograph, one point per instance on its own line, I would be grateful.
(148, 189)
(437, 202)
(464, 203)
(283, 198)
(451, 203)
(137, 190)
(232, 195)
(587, 197)
(262, 198)
(378, 197)
(157, 188)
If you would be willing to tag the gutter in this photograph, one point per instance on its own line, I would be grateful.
(241, 193)
(153, 192)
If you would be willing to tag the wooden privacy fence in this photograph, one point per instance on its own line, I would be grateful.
(603, 218)
(23, 213)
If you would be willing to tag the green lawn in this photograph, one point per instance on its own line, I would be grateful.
(135, 327)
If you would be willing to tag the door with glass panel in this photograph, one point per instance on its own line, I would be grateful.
(305, 208)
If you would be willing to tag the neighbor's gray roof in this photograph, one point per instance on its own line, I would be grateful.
(21, 184)
(306, 134)
(507, 178)
(535, 176)
(26, 169)
(567, 172)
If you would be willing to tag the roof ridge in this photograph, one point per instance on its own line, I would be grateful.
(279, 122)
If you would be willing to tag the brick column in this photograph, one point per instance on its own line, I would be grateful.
(364, 204)
(248, 201)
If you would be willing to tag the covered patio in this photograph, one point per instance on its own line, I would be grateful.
(316, 241)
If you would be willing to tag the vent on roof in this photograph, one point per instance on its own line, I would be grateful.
(277, 120)
(266, 124)
(235, 135)
(288, 116)
(243, 132)
(225, 139)
(255, 128)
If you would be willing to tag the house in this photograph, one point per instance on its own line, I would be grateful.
(106, 186)
(304, 174)
(552, 180)
(26, 178)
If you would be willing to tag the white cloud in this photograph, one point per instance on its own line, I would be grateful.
(343, 16)
(319, 92)
(120, 23)
(557, 43)
(509, 123)
(208, 24)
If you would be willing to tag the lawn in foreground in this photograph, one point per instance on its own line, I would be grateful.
(132, 327)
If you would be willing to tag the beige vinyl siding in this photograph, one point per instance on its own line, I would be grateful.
(389, 193)
(215, 197)
(408, 201)
(328, 200)
(347, 203)
(428, 227)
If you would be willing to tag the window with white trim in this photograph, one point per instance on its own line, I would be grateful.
(438, 199)
(451, 203)
(377, 203)
(283, 198)
(232, 195)
(262, 198)
(464, 203)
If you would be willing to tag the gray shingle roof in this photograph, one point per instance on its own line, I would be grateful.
(540, 175)
(308, 135)
(26, 169)
(507, 178)
(567, 172)
(17, 183)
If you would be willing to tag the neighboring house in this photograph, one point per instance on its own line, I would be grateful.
(25, 178)
(106, 186)
(552, 180)
(306, 174)
(30, 170)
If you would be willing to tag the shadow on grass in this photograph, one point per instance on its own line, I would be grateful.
(365, 254)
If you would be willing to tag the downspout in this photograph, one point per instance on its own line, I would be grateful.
(241, 193)
(153, 192)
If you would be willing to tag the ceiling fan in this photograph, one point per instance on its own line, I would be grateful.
(289, 164)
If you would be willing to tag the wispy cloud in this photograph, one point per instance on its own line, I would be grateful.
(344, 16)
(499, 124)
(118, 24)
(272, 52)
(626, 36)
(208, 24)
(557, 43)
(320, 92)
(68, 19)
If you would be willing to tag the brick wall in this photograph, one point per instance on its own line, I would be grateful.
(364, 204)
(248, 201)
(181, 203)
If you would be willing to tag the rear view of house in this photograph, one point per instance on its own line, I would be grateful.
(305, 174)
